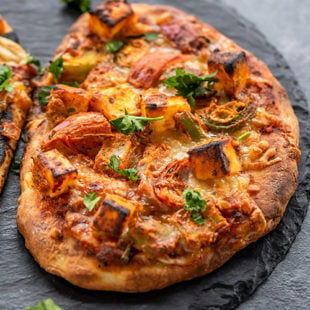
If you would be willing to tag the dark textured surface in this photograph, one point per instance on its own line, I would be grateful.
(41, 25)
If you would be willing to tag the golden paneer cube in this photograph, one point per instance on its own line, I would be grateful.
(65, 100)
(114, 215)
(155, 105)
(232, 71)
(215, 159)
(56, 171)
(110, 17)
(114, 102)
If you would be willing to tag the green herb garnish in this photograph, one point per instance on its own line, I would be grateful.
(151, 36)
(90, 201)
(130, 123)
(44, 94)
(71, 110)
(56, 68)
(72, 84)
(130, 173)
(245, 135)
(113, 46)
(16, 165)
(32, 60)
(194, 203)
(190, 86)
(83, 5)
(5, 75)
(47, 304)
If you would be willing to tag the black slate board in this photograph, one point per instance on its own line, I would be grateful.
(41, 25)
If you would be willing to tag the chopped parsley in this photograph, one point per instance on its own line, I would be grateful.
(83, 5)
(44, 94)
(245, 135)
(151, 36)
(32, 60)
(16, 165)
(90, 201)
(56, 68)
(130, 173)
(47, 304)
(191, 86)
(113, 46)
(194, 203)
(5, 76)
(130, 123)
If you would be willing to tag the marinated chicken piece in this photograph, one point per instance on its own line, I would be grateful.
(215, 159)
(57, 172)
(157, 104)
(110, 17)
(232, 71)
(80, 133)
(65, 100)
(171, 183)
(116, 101)
(184, 36)
(114, 215)
(146, 72)
(126, 148)
(10, 130)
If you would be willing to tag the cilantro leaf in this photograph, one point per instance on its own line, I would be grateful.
(56, 68)
(5, 75)
(83, 5)
(15, 168)
(151, 36)
(130, 173)
(194, 203)
(113, 46)
(32, 60)
(44, 94)
(90, 201)
(130, 123)
(191, 86)
(47, 304)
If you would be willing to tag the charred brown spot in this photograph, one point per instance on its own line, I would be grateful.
(111, 12)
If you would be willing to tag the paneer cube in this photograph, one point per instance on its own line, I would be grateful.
(215, 159)
(113, 102)
(232, 71)
(65, 100)
(57, 170)
(110, 17)
(114, 215)
(155, 105)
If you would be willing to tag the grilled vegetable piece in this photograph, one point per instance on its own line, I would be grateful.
(215, 159)
(146, 72)
(187, 123)
(232, 71)
(114, 215)
(65, 100)
(116, 101)
(156, 104)
(228, 116)
(80, 133)
(110, 17)
(57, 171)
(77, 65)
